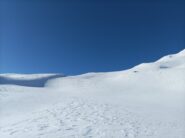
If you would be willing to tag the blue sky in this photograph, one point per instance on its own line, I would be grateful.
(74, 37)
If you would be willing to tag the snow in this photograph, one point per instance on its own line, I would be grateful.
(34, 80)
(146, 101)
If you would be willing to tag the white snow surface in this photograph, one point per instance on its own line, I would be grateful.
(146, 101)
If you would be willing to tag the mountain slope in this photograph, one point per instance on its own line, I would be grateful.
(146, 101)
(32, 80)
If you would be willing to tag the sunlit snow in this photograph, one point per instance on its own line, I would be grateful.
(146, 101)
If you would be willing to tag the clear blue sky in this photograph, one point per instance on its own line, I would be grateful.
(79, 36)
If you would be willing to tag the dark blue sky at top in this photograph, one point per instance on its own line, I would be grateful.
(74, 37)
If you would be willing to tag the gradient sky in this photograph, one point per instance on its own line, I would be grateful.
(79, 36)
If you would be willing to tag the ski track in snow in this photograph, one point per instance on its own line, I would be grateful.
(79, 118)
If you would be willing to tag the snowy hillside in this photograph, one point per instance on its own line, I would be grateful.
(34, 80)
(147, 101)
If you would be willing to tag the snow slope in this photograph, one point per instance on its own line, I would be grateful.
(33, 80)
(147, 101)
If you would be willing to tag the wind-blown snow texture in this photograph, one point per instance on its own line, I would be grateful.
(147, 101)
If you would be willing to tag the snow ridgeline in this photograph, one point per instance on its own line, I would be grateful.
(164, 75)
(32, 80)
(146, 101)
